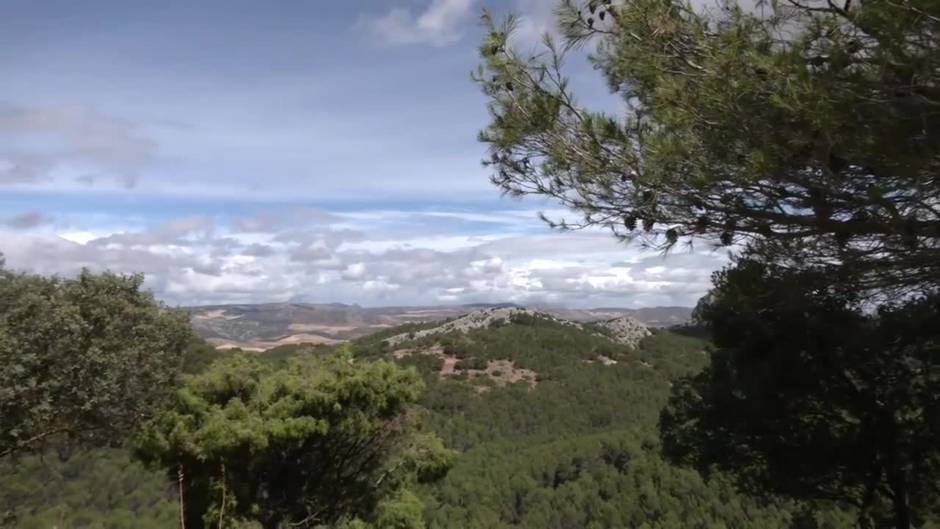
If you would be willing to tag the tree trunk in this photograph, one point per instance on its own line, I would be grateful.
(894, 471)
(222, 506)
(902, 508)
(179, 475)
(865, 519)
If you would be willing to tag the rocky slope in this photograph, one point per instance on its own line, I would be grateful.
(262, 326)
(626, 330)
(478, 319)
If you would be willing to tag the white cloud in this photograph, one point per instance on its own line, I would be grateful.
(201, 260)
(354, 271)
(442, 21)
(438, 24)
(536, 18)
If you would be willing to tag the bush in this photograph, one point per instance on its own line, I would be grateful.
(472, 362)
(87, 358)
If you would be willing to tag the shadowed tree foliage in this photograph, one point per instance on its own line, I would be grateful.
(789, 126)
(83, 361)
(809, 396)
(323, 441)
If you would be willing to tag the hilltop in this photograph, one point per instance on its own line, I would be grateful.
(623, 329)
(263, 326)
(495, 347)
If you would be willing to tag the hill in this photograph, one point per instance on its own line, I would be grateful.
(623, 329)
(263, 326)
(556, 423)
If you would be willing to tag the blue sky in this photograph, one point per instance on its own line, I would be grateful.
(299, 150)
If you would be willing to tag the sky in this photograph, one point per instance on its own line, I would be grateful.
(308, 151)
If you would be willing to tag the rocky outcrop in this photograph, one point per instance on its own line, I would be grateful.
(478, 319)
(626, 330)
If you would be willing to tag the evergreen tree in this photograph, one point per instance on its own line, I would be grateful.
(804, 128)
(810, 396)
(321, 441)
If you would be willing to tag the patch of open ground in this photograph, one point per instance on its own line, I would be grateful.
(226, 344)
(478, 319)
(315, 327)
(263, 345)
(218, 314)
(306, 338)
(501, 372)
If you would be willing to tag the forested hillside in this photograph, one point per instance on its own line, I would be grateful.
(580, 447)
(574, 446)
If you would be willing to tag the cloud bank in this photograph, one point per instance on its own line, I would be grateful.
(392, 257)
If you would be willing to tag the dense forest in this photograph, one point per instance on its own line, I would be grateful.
(577, 449)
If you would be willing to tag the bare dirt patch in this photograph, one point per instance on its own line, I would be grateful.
(502, 372)
(223, 345)
(218, 314)
(505, 372)
(264, 345)
(306, 338)
(398, 354)
(319, 327)
(449, 367)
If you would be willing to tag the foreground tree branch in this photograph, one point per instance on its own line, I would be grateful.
(807, 128)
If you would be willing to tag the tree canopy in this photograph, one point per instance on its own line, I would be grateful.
(577, 450)
(322, 441)
(809, 396)
(83, 361)
(785, 125)
(806, 134)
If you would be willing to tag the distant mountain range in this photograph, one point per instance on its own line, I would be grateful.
(262, 326)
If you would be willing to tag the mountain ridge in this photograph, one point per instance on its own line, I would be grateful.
(265, 325)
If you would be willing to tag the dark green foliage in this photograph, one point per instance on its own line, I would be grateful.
(428, 366)
(200, 354)
(809, 396)
(674, 355)
(805, 128)
(280, 355)
(577, 450)
(580, 449)
(95, 488)
(375, 344)
(322, 440)
(808, 132)
(605, 480)
(100, 488)
(83, 361)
